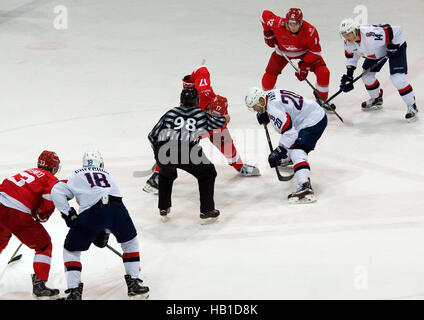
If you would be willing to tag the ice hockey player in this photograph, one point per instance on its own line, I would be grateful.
(24, 204)
(175, 143)
(296, 39)
(374, 42)
(101, 211)
(300, 122)
(220, 138)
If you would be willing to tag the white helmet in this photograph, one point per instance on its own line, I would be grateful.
(348, 25)
(252, 97)
(92, 159)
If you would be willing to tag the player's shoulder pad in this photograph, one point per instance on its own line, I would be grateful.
(269, 19)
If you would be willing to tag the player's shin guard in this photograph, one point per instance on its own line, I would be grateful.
(223, 141)
(371, 84)
(42, 261)
(73, 267)
(268, 81)
(300, 165)
(405, 90)
(323, 80)
(131, 257)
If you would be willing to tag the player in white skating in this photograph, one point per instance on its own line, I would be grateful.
(300, 122)
(374, 42)
(101, 212)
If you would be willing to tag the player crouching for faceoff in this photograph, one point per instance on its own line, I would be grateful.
(24, 203)
(374, 42)
(300, 122)
(101, 211)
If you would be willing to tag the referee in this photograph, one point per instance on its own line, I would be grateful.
(175, 142)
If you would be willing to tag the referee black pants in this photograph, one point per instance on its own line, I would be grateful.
(205, 175)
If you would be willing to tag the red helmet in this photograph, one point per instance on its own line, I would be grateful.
(294, 16)
(187, 82)
(48, 159)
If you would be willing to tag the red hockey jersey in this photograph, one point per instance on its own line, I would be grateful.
(29, 191)
(304, 44)
(202, 83)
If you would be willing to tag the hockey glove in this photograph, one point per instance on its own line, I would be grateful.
(269, 38)
(393, 50)
(70, 217)
(218, 107)
(101, 239)
(276, 156)
(41, 216)
(263, 118)
(302, 73)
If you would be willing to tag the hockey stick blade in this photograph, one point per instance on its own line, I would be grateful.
(141, 174)
(283, 178)
(144, 173)
(18, 257)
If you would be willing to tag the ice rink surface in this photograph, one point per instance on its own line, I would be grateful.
(105, 81)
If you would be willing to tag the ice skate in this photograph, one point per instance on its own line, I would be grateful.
(74, 293)
(136, 290)
(249, 171)
(373, 104)
(209, 217)
(164, 214)
(40, 291)
(303, 194)
(152, 185)
(411, 114)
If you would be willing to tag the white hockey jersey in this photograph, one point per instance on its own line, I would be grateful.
(289, 113)
(373, 42)
(88, 185)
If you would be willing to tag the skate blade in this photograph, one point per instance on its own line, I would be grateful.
(150, 189)
(250, 174)
(373, 108)
(56, 297)
(310, 198)
(164, 219)
(208, 221)
(413, 119)
(143, 296)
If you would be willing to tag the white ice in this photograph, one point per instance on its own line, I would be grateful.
(104, 82)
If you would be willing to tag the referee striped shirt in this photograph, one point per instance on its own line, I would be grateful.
(184, 123)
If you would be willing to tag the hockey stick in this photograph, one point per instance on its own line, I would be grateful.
(280, 177)
(114, 251)
(144, 173)
(358, 77)
(313, 88)
(14, 257)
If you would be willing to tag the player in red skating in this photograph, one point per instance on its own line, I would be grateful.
(24, 203)
(296, 39)
(221, 138)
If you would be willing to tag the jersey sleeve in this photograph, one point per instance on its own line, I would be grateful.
(154, 133)
(60, 194)
(214, 122)
(202, 83)
(288, 132)
(313, 46)
(269, 20)
(392, 34)
(352, 57)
